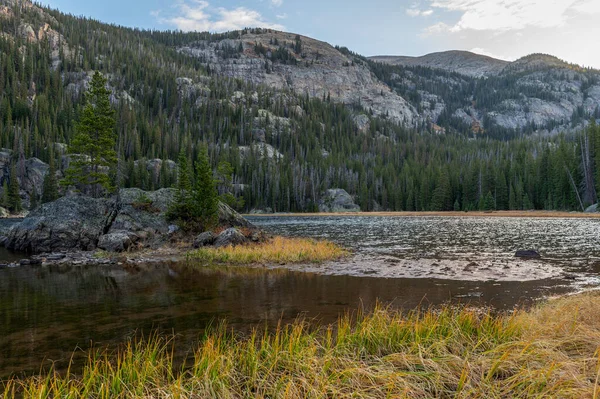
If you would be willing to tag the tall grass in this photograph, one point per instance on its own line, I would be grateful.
(549, 352)
(276, 250)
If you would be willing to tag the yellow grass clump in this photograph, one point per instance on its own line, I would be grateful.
(548, 352)
(279, 250)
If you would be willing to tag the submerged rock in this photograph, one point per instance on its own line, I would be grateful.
(528, 254)
(337, 200)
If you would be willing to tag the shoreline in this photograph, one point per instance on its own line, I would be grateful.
(495, 214)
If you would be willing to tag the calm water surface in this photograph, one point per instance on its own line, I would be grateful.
(47, 313)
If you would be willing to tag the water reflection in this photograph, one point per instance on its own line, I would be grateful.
(48, 312)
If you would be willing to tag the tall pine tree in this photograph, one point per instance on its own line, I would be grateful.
(92, 149)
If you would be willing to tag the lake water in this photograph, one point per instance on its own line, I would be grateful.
(47, 313)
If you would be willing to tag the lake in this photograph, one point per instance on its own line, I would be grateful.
(49, 312)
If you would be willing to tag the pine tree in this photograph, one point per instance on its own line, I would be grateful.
(205, 196)
(14, 196)
(93, 147)
(50, 186)
(181, 210)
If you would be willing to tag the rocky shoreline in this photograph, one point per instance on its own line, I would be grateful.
(81, 230)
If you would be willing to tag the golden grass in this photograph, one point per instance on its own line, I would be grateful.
(548, 352)
(278, 250)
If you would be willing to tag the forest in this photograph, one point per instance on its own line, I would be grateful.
(167, 103)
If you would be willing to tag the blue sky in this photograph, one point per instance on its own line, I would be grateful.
(506, 29)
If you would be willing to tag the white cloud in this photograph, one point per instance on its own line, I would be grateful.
(281, 16)
(277, 3)
(197, 15)
(416, 12)
(504, 15)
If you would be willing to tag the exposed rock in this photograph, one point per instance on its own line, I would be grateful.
(84, 223)
(266, 210)
(71, 222)
(230, 236)
(4, 213)
(205, 239)
(117, 241)
(262, 150)
(362, 123)
(337, 200)
(527, 254)
(321, 70)
(592, 209)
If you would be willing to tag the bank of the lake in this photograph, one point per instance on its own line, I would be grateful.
(548, 351)
(494, 214)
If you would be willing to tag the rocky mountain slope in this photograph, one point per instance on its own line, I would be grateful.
(304, 65)
(463, 62)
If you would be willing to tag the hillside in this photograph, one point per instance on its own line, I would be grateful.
(293, 116)
(463, 62)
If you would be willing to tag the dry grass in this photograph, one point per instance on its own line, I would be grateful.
(549, 352)
(278, 250)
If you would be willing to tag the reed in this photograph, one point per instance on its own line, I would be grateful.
(278, 250)
(547, 352)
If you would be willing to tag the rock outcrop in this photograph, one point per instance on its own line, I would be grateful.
(82, 223)
(337, 200)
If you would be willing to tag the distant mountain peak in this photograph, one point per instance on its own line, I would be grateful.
(463, 62)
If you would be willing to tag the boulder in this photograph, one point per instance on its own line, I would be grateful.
(592, 209)
(230, 236)
(72, 222)
(527, 254)
(82, 223)
(337, 200)
(205, 239)
(117, 241)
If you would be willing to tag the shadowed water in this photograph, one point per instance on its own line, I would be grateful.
(47, 312)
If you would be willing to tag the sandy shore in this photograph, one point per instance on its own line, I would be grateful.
(500, 214)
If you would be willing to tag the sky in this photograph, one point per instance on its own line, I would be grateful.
(505, 29)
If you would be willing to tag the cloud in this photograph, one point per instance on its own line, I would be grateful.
(505, 15)
(277, 3)
(415, 12)
(281, 16)
(198, 15)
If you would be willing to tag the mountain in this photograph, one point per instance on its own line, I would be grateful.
(303, 65)
(463, 62)
(293, 118)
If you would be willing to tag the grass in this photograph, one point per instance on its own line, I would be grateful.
(548, 352)
(278, 250)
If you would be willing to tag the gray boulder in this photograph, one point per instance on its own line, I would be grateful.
(592, 209)
(82, 223)
(72, 222)
(205, 239)
(230, 236)
(337, 200)
(117, 241)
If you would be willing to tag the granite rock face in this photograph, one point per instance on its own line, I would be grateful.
(82, 223)
(337, 200)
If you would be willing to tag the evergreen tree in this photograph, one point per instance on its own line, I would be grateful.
(206, 202)
(50, 186)
(182, 208)
(93, 148)
(14, 196)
